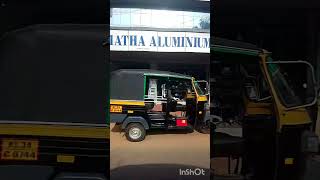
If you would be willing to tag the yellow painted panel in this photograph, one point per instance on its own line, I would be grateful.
(258, 111)
(202, 98)
(55, 130)
(65, 158)
(122, 102)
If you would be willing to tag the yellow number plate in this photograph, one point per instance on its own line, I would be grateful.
(19, 149)
(117, 109)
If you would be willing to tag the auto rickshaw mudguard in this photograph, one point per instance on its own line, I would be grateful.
(117, 118)
(135, 119)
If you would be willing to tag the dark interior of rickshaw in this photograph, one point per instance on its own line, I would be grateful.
(234, 79)
(167, 100)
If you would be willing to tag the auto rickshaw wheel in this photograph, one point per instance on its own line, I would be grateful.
(135, 132)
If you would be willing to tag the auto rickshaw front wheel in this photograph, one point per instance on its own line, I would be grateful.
(135, 132)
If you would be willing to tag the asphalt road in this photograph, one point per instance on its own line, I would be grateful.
(165, 151)
(162, 154)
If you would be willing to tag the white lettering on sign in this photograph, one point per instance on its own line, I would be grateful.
(123, 40)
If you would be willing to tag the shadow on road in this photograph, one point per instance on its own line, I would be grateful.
(157, 172)
(117, 128)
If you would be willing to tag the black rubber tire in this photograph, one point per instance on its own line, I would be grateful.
(135, 125)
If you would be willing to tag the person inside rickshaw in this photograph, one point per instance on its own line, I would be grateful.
(173, 97)
(176, 106)
(177, 94)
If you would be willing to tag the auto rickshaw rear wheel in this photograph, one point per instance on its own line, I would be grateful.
(135, 132)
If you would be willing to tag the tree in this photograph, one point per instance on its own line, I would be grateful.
(205, 22)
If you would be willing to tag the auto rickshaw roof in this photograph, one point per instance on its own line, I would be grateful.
(130, 84)
(151, 72)
(54, 73)
(237, 47)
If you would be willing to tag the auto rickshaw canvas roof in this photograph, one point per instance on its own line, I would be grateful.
(151, 72)
(65, 62)
(236, 47)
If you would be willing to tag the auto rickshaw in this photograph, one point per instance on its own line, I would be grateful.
(273, 103)
(53, 101)
(143, 99)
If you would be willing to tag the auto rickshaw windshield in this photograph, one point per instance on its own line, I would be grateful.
(294, 88)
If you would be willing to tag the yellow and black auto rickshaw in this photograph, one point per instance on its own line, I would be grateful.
(273, 103)
(143, 99)
(53, 101)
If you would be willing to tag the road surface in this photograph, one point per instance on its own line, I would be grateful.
(165, 149)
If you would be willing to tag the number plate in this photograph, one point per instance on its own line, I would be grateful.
(117, 109)
(19, 149)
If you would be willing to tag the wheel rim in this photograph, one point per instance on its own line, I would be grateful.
(135, 133)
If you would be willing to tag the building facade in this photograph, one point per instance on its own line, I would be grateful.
(173, 40)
